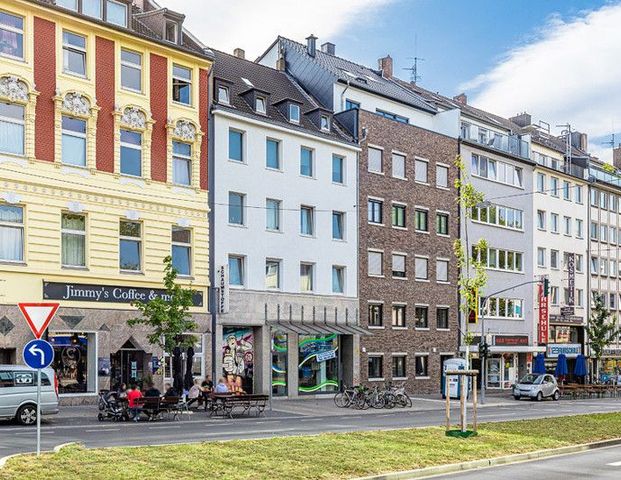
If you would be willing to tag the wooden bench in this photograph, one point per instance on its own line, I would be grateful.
(225, 404)
(156, 407)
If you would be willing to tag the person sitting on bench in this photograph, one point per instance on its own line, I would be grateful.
(221, 387)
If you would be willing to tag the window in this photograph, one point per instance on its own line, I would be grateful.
(421, 362)
(182, 163)
(224, 95)
(613, 202)
(442, 223)
(272, 220)
(442, 267)
(236, 208)
(442, 318)
(497, 171)
(541, 220)
(554, 295)
(398, 316)
(376, 164)
(376, 368)
(504, 307)
(578, 194)
(73, 141)
(612, 303)
(236, 143)
(375, 263)
(131, 153)
(73, 241)
(272, 153)
(182, 250)
(307, 220)
(398, 265)
(376, 315)
(500, 216)
(613, 235)
(421, 220)
(554, 186)
(182, 85)
(260, 105)
(325, 123)
(392, 116)
(351, 105)
(131, 70)
(554, 222)
(578, 260)
(594, 265)
(603, 233)
(421, 168)
(421, 314)
(398, 366)
(398, 165)
(116, 13)
(130, 246)
(541, 183)
(171, 32)
(594, 231)
(272, 274)
(12, 128)
(578, 228)
(442, 176)
(338, 171)
(579, 297)
(398, 216)
(566, 190)
(603, 200)
(294, 113)
(594, 198)
(11, 233)
(12, 35)
(74, 54)
(554, 259)
(306, 162)
(236, 270)
(338, 225)
(375, 211)
(541, 257)
(306, 277)
(92, 8)
(70, 4)
(500, 259)
(567, 225)
(338, 279)
(421, 266)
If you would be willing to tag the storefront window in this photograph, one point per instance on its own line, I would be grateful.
(563, 334)
(279, 364)
(198, 363)
(72, 363)
(318, 367)
(238, 358)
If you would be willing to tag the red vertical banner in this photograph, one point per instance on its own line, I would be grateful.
(543, 317)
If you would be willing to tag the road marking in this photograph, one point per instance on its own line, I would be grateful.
(103, 430)
(614, 464)
(164, 426)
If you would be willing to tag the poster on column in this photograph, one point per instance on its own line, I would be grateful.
(238, 358)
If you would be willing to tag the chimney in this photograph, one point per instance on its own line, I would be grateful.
(579, 140)
(239, 53)
(311, 45)
(385, 65)
(139, 4)
(281, 64)
(461, 98)
(329, 48)
(616, 156)
(523, 119)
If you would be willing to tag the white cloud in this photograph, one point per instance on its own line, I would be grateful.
(254, 24)
(568, 73)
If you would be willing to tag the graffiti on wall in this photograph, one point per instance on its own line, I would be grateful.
(238, 358)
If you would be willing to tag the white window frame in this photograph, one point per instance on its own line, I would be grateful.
(260, 105)
(311, 267)
(81, 50)
(226, 98)
(278, 263)
(133, 66)
(14, 225)
(294, 107)
(73, 133)
(184, 158)
(133, 239)
(69, 231)
(132, 147)
(417, 162)
(187, 245)
(185, 80)
(16, 121)
(17, 31)
(381, 263)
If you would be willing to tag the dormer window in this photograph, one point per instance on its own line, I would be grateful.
(294, 113)
(70, 4)
(325, 123)
(171, 32)
(92, 8)
(223, 95)
(260, 105)
(116, 13)
(112, 11)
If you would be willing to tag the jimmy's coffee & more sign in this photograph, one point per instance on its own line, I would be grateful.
(81, 292)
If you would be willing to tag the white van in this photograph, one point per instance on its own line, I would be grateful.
(18, 393)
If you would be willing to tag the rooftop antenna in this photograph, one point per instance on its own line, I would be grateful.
(414, 76)
(566, 132)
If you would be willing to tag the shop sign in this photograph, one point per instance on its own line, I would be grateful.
(566, 320)
(511, 340)
(569, 349)
(571, 281)
(543, 317)
(567, 311)
(325, 356)
(80, 292)
(613, 352)
(223, 291)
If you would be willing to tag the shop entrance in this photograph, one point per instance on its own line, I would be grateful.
(127, 365)
(501, 371)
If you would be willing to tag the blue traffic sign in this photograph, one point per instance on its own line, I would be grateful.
(38, 354)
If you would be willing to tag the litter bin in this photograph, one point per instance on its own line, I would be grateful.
(454, 381)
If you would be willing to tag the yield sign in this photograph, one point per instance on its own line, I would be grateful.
(38, 315)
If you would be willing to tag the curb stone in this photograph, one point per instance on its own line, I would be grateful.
(492, 462)
(56, 449)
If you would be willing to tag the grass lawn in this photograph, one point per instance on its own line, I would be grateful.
(326, 456)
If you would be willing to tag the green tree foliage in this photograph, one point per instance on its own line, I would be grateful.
(169, 317)
(601, 331)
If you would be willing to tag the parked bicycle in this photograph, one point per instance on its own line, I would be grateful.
(361, 397)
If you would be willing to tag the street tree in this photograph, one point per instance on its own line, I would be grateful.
(601, 331)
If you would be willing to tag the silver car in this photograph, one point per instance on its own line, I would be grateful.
(18, 393)
(537, 387)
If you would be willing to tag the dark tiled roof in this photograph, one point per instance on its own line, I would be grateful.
(555, 143)
(363, 77)
(232, 71)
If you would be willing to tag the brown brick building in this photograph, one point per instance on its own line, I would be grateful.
(407, 276)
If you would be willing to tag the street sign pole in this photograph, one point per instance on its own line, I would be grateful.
(38, 412)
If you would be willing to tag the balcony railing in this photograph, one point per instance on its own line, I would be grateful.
(512, 144)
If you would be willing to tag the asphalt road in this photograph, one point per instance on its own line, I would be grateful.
(600, 464)
(200, 427)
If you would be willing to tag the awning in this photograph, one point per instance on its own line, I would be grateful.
(314, 328)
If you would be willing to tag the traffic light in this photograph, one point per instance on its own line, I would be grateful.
(483, 349)
(473, 313)
(546, 287)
